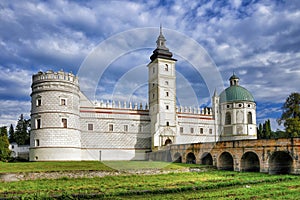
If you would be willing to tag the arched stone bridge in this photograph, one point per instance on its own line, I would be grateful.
(274, 156)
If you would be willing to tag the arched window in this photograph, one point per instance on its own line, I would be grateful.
(228, 118)
(249, 116)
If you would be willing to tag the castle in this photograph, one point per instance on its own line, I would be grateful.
(66, 125)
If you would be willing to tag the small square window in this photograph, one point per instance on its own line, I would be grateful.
(210, 131)
(201, 130)
(64, 122)
(38, 123)
(37, 142)
(111, 127)
(90, 127)
(63, 102)
(166, 82)
(39, 102)
(192, 130)
(140, 128)
(125, 128)
(166, 67)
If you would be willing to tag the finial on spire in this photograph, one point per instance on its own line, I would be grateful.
(160, 29)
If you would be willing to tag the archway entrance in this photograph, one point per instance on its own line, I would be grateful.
(191, 158)
(168, 141)
(225, 161)
(250, 162)
(206, 159)
(177, 158)
(280, 162)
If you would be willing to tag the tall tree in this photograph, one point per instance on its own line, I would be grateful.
(11, 133)
(22, 131)
(291, 115)
(4, 144)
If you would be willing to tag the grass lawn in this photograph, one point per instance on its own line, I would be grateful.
(88, 165)
(211, 184)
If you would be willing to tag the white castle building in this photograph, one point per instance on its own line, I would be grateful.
(66, 125)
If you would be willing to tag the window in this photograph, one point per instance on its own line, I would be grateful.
(166, 67)
(167, 123)
(201, 130)
(125, 128)
(167, 94)
(240, 105)
(64, 122)
(249, 117)
(153, 84)
(227, 118)
(111, 127)
(192, 130)
(228, 106)
(38, 101)
(38, 123)
(181, 130)
(140, 128)
(90, 127)
(153, 95)
(153, 70)
(210, 131)
(37, 142)
(167, 107)
(63, 102)
(166, 82)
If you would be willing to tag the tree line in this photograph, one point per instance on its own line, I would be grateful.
(19, 135)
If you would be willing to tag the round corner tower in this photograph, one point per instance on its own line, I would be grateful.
(55, 133)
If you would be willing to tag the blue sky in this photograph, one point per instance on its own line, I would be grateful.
(258, 40)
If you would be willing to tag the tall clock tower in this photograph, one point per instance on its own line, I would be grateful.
(162, 94)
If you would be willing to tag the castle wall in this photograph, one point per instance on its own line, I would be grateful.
(114, 133)
(194, 128)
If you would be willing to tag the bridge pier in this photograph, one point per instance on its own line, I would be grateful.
(274, 156)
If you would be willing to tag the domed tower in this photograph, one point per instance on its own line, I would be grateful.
(55, 133)
(237, 112)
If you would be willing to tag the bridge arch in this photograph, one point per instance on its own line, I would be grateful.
(225, 161)
(280, 162)
(250, 162)
(177, 158)
(206, 159)
(191, 158)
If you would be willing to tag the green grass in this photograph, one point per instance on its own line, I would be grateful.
(52, 166)
(211, 184)
(88, 166)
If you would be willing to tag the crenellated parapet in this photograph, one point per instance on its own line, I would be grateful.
(52, 76)
(194, 110)
(121, 105)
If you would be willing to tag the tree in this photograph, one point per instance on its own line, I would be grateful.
(11, 133)
(260, 132)
(291, 115)
(22, 131)
(4, 144)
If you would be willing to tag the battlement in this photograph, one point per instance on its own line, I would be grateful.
(198, 110)
(58, 76)
(121, 105)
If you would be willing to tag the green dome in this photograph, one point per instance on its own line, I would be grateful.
(235, 93)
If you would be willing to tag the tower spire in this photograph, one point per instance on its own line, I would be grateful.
(161, 50)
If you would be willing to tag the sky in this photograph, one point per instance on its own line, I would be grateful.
(108, 45)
